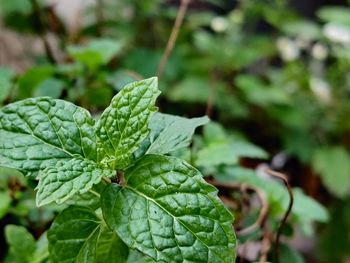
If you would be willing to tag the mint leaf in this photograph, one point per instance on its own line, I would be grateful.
(37, 133)
(110, 247)
(170, 133)
(73, 235)
(137, 257)
(89, 199)
(61, 182)
(167, 211)
(21, 242)
(124, 124)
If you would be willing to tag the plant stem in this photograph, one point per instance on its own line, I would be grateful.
(95, 193)
(99, 17)
(173, 36)
(37, 16)
(106, 179)
(284, 178)
(262, 198)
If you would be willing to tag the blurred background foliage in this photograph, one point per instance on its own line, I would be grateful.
(272, 75)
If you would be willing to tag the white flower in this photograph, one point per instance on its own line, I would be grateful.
(337, 33)
(319, 51)
(321, 89)
(219, 24)
(288, 49)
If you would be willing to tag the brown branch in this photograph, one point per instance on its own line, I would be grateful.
(284, 178)
(37, 16)
(173, 36)
(211, 97)
(263, 202)
(265, 246)
(99, 17)
(262, 215)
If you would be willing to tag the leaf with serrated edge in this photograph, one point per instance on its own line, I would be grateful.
(124, 124)
(167, 211)
(61, 182)
(37, 133)
(73, 235)
(170, 133)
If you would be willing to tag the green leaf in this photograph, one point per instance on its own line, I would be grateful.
(306, 209)
(50, 87)
(335, 14)
(259, 93)
(216, 154)
(305, 29)
(167, 211)
(21, 242)
(5, 83)
(32, 78)
(73, 235)
(42, 249)
(137, 257)
(170, 133)
(124, 124)
(228, 153)
(289, 254)
(89, 199)
(5, 202)
(333, 165)
(37, 133)
(96, 53)
(110, 247)
(68, 178)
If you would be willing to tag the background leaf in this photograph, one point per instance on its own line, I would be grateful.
(170, 133)
(333, 165)
(22, 243)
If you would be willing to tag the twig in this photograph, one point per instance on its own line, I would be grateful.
(211, 98)
(262, 215)
(173, 36)
(99, 17)
(41, 31)
(288, 211)
(265, 246)
(263, 201)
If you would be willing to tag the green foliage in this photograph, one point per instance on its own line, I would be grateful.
(5, 83)
(64, 180)
(37, 133)
(124, 124)
(22, 243)
(274, 82)
(163, 196)
(169, 133)
(23, 247)
(333, 165)
(96, 53)
(178, 215)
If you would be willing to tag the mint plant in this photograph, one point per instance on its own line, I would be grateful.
(122, 188)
